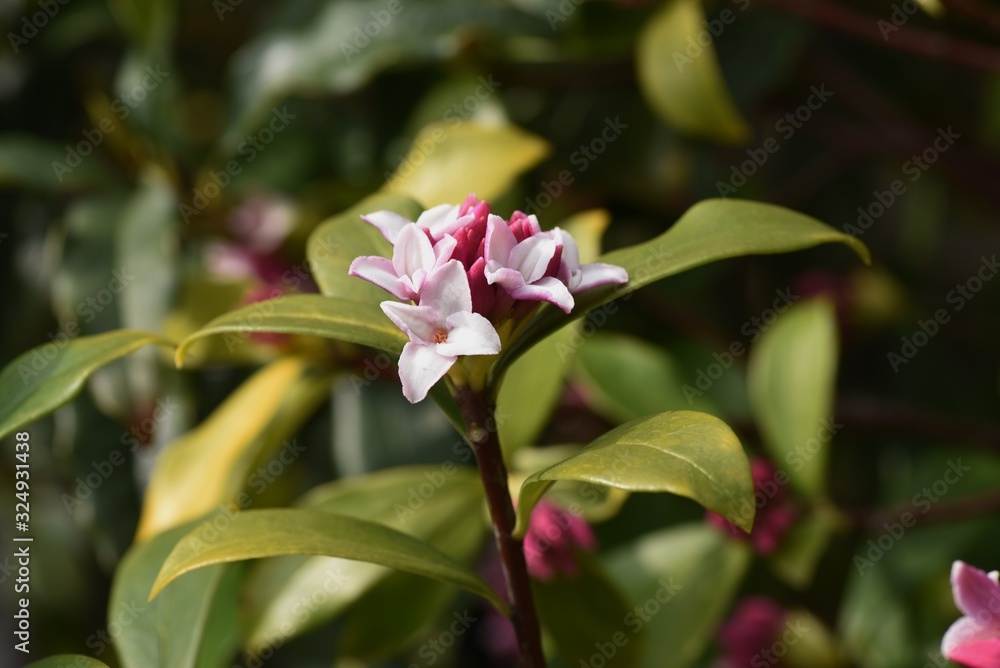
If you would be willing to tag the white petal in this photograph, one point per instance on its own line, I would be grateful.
(470, 334)
(442, 219)
(443, 249)
(967, 631)
(597, 274)
(531, 257)
(446, 289)
(379, 270)
(389, 223)
(413, 251)
(570, 251)
(510, 279)
(420, 366)
(500, 241)
(420, 323)
(548, 289)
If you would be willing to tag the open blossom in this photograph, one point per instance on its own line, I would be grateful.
(456, 262)
(974, 640)
(552, 537)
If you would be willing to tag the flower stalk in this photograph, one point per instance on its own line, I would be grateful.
(481, 433)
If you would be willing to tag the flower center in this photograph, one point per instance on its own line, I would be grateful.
(440, 336)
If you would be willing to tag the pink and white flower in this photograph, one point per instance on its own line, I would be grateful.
(553, 536)
(441, 328)
(974, 640)
(467, 270)
(413, 259)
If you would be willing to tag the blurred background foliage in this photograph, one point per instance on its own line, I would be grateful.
(187, 150)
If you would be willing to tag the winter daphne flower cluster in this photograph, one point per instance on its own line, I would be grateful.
(462, 273)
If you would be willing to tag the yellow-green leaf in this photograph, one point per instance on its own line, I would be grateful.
(791, 378)
(256, 534)
(209, 465)
(68, 661)
(447, 162)
(690, 454)
(315, 315)
(711, 230)
(686, 90)
(44, 378)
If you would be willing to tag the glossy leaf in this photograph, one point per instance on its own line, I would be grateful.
(336, 242)
(313, 315)
(68, 661)
(169, 631)
(209, 466)
(686, 90)
(791, 378)
(255, 534)
(586, 611)
(449, 161)
(627, 378)
(44, 378)
(681, 581)
(689, 454)
(711, 230)
(405, 499)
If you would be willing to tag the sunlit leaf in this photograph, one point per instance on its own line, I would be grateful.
(448, 161)
(681, 581)
(209, 465)
(791, 379)
(255, 534)
(314, 315)
(689, 454)
(681, 77)
(44, 378)
(711, 230)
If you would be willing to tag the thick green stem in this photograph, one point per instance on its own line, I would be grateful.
(481, 433)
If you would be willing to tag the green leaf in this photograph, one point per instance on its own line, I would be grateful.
(28, 162)
(628, 378)
(682, 581)
(447, 162)
(689, 454)
(711, 230)
(791, 378)
(801, 549)
(687, 92)
(315, 315)
(441, 517)
(586, 612)
(170, 631)
(44, 378)
(336, 242)
(255, 534)
(68, 661)
(209, 465)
